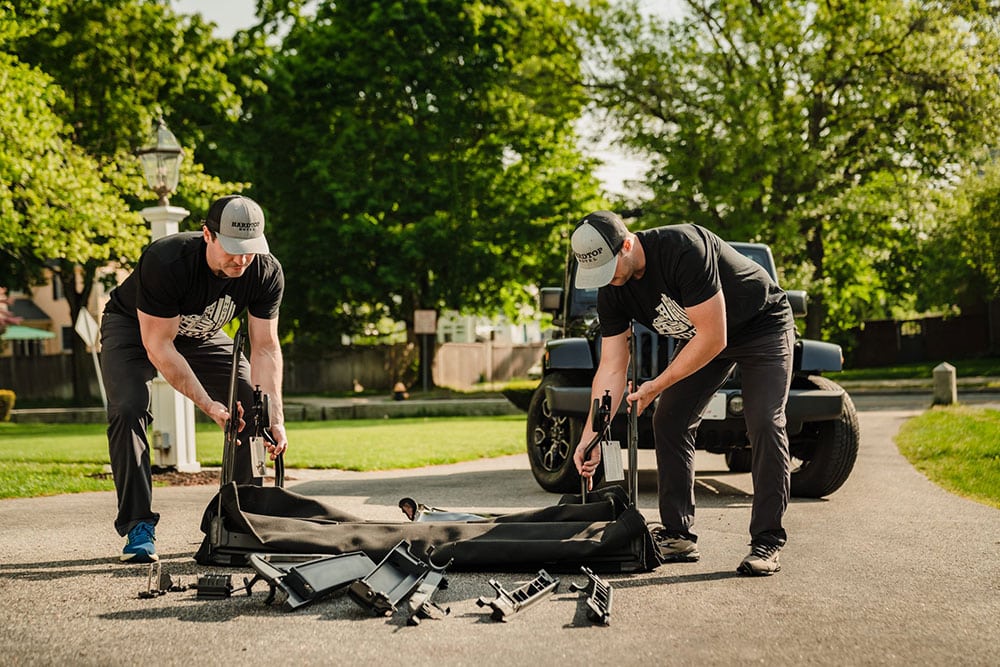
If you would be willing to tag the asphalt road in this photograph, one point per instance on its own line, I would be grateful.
(889, 570)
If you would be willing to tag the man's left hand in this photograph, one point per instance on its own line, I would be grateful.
(280, 441)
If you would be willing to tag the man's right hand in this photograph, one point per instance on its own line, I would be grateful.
(587, 468)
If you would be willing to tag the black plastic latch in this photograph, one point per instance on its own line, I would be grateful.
(392, 581)
(306, 578)
(509, 603)
(214, 586)
(420, 604)
(599, 597)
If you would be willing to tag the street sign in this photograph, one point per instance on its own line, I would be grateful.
(86, 326)
(424, 321)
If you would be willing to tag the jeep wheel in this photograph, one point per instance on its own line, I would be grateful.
(552, 439)
(823, 454)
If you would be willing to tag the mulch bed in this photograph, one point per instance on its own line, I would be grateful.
(174, 478)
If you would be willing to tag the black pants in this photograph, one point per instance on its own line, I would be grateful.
(766, 372)
(127, 371)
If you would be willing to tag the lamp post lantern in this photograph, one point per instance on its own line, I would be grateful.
(161, 165)
(173, 413)
(161, 162)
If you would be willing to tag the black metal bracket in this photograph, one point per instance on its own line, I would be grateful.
(601, 425)
(260, 418)
(599, 597)
(509, 603)
(306, 578)
(164, 583)
(393, 580)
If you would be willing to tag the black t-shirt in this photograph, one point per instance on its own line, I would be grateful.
(173, 278)
(686, 265)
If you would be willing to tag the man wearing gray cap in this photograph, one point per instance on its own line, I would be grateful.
(167, 316)
(684, 282)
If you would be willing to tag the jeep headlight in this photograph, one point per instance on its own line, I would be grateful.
(736, 405)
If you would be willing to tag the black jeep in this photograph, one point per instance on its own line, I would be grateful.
(822, 421)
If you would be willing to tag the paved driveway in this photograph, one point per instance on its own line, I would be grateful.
(888, 570)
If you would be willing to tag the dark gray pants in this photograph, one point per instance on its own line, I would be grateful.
(766, 371)
(126, 371)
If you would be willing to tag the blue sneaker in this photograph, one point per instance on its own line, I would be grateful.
(139, 548)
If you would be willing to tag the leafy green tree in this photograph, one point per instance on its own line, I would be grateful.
(964, 260)
(110, 68)
(124, 63)
(418, 154)
(821, 128)
(56, 210)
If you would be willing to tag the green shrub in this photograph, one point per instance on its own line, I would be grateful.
(519, 393)
(7, 398)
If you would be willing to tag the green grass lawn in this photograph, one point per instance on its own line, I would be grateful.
(958, 448)
(46, 459)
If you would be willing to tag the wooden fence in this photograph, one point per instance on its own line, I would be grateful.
(456, 365)
(891, 342)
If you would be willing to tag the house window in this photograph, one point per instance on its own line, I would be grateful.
(57, 292)
(67, 338)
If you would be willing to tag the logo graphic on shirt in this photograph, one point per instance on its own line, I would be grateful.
(672, 320)
(204, 326)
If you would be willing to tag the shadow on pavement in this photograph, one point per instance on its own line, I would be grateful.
(84, 567)
(675, 579)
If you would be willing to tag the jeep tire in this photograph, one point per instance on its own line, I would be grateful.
(823, 454)
(552, 439)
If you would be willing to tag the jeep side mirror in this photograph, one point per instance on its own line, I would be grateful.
(798, 300)
(550, 299)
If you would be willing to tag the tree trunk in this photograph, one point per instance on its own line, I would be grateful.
(817, 302)
(77, 293)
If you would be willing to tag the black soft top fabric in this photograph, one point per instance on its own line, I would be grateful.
(605, 534)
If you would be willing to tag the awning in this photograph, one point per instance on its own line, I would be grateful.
(19, 332)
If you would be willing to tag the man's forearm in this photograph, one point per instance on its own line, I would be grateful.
(692, 358)
(175, 369)
(266, 369)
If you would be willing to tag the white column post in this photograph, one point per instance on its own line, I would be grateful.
(173, 439)
(163, 219)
